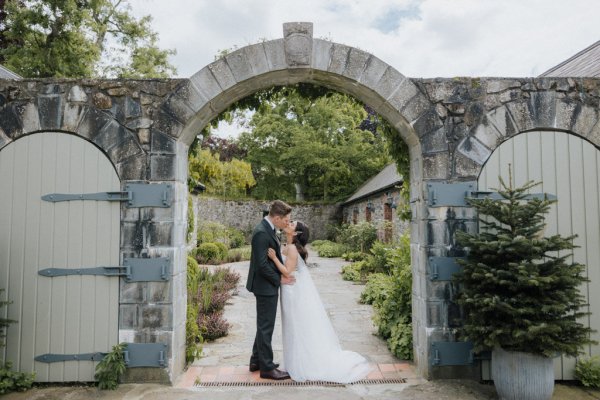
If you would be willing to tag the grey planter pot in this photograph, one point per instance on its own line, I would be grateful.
(522, 376)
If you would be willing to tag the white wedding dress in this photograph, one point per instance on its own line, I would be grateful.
(311, 349)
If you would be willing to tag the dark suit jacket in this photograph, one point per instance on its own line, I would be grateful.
(264, 278)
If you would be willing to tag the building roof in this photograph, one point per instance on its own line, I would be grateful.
(586, 63)
(6, 73)
(388, 177)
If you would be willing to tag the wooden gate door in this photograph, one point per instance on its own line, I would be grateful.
(65, 314)
(568, 166)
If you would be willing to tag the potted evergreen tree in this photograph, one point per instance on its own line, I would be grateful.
(520, 293)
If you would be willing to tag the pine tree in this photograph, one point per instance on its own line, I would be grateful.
(519, 289)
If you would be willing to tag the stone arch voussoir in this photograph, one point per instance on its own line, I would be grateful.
(66, 107)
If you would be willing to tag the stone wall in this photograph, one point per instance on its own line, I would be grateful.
(246, 214)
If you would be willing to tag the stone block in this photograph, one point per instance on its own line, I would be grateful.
(205, 83)
(474, 150)
(257, 58)
(373, 72)
(128, 316)
(521, 115)
(500, 85)
(487, 134)
(134, 168)
(30, 117)
(168, 123)
(427, 122)
(159, 292)
(437, 234)
(10, 121)
(321, 54)
(111, 135)
(435, 314)
(163, 167)
(102, 101)
(50, 109)
(390, 81)
(156, 317)
(160, 233)
(542, 108)
(73, 114)
(178, 108)
(298, 42)
(92, 122)
(357, 62)
(567, 112)
(161, 143)
(77, 95)
(339, 58)
(132, 235)
(433, 142)
(275, 54)
(132, 292)
(240, 66)
(146, 375)
(502, 120)
(222, 73)
(586, 119)
(127, 148)
(435, 165)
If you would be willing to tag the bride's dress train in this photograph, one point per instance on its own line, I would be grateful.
(311, 349)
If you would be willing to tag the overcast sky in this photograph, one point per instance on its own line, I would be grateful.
(420, 38)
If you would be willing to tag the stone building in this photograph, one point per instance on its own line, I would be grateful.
(376, 201)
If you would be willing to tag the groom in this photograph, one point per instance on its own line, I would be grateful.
(264, 280)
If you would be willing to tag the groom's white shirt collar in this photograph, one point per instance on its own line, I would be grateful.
(270, 223)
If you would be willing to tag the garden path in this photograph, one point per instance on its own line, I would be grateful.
(227, 358)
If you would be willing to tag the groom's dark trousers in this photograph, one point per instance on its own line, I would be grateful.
(264, 280)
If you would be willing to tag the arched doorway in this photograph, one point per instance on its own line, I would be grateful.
(567, 166)
(69, 314)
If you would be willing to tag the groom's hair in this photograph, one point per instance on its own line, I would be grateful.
(279, 208)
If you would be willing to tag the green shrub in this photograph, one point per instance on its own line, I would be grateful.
(214, 232)
(357, 237)
(587, 371)
(210, 253)
(331, 249)
(193, 336)
(354, 256)
(352, 272)
(223, 249)
(111, 367)
(377, 289)
(11, 381)
(239, 254)
(236, 238)
(393, 310)
(315, 244)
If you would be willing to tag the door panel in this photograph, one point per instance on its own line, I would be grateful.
(568, 167)
(60, 315)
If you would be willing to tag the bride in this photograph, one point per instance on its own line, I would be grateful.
(311, 349)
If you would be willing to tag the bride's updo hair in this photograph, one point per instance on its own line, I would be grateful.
(301, 239)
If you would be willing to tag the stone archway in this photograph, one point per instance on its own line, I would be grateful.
(298, 57)
(145, 127)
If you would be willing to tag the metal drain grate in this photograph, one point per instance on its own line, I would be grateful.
(294, 383)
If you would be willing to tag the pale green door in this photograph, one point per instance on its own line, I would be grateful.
(68, 314)
(568, 167)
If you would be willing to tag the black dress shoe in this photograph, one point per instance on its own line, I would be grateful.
(254, 367)
(275, 374)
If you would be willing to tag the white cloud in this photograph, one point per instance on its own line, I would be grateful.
(425, 38)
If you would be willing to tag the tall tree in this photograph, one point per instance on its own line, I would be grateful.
(79, 38)
(307, 143)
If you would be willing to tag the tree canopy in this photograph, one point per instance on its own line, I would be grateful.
(306, 142)
(79, 38)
